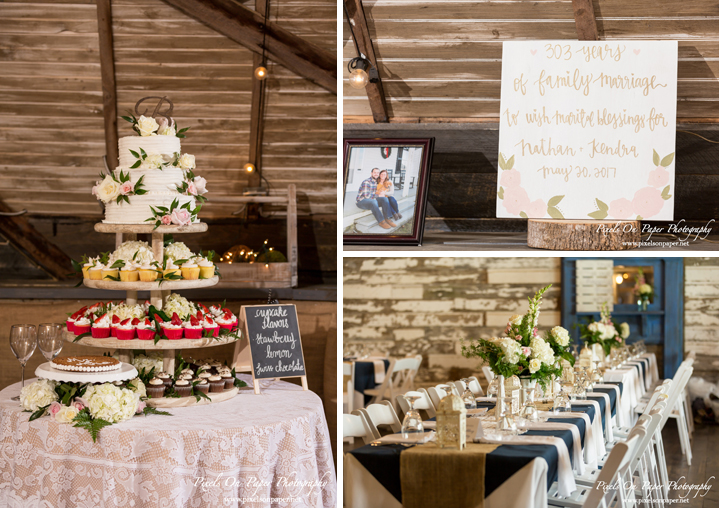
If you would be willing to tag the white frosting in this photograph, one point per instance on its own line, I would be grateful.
(163, 145)
(80, 368)
(83, 321)
(189, 264)
(104, 322)
(205, 263)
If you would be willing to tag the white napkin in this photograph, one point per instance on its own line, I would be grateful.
(597, 432)
(429, 424)
(590, 447)
(620, 412)
(607, 413)
(378, 371)
(640, 373)
(566, 482)
(576, 449)
(419, 438)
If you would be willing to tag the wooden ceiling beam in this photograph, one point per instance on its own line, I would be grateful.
(375, 91)
(585, 20)
(32, 244)
(246, 27)
(107, 73)
(257, 111)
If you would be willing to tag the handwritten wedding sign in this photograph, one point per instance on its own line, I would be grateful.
(274, 342)
(587, 130)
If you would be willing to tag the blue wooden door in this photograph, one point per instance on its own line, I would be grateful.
(661, 324)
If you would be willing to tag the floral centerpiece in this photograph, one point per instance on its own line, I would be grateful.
(522, 352)
(88, 406)
(644, 291)
(605, 332)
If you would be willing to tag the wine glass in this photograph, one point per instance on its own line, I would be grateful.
(23, 341)
(492, 388)
(412, 423)
(468, 397)
(49, 340)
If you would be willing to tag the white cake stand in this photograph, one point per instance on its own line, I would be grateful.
(124, 373)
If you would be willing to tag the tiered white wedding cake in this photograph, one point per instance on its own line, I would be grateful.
(152, 175)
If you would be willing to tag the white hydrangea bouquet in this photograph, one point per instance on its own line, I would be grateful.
(522, 352)
(605, 332)
(88, 406)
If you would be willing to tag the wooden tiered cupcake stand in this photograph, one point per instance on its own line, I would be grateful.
(158, 294)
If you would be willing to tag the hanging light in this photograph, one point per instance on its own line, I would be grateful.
(357, 68)
(261, 72)
(249, 167)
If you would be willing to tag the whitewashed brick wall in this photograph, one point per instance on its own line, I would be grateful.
(701, 314)
(426, 305)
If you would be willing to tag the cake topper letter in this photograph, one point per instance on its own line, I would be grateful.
(157, 111)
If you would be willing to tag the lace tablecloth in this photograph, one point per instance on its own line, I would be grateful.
(271, 449)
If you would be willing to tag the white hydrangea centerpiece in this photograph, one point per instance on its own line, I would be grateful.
(38, 394)
(178, 250)
(604, 332)
(133, 251)
(111, 403)
(176, 303)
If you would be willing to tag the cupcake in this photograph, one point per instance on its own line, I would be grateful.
(202, 386)
(172, 269)
(209, 324)
(193, 328)
(207, 269)
(204, 375)
(187, 371)
(183, 387)
(217, 384)
(110, 272)
(172, 329)
(81, 325)
(190, 270)
(86, 268)
(114, 324)
(216, 310)
(227, 321)
(147, 272)
(126, 329)
(228, 378)
(145, 330)
(129, 273)
(189, 377)
(155, 388)
(70, 324)
(101, 327)
(95, 272)
(165, 378)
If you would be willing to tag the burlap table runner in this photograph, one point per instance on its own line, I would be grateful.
(541, 406)
(448, 478)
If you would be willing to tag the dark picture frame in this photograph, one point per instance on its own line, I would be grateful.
(365, 229)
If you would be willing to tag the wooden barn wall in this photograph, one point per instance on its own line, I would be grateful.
(442, 59)
(402, 306)
(701, 315)
(51, 123)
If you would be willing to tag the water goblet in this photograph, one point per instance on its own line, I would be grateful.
(470, 402)
(412, 423)
(49, 340)
(492, 388)
(23, 341)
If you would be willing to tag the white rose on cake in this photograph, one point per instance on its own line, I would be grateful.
(146, 126)
(107, 190)
(166, 131)
(38, 394)
(187, 161)
(154, 161)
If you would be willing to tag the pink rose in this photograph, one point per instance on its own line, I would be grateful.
(620, 208)
(516, 200)
(54, 408)
(78, 404)
(200, 184)
(94, 190)
(647, 202)
(126, 188)
(537, 209)
(518, 337)
(166, 220)
(181, 217)
(191, 189)
(141, 407)
(659, 177)
(526, 351)
(510, 179)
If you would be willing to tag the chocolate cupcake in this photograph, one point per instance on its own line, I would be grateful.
(155, 388)
(228, 378)
(189, 377)
(183, 387)
(202, 386)
(165, 379)
(217, 384)
(204, 375)
(187, 371)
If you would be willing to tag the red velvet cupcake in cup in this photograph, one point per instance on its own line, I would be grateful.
(145, 329)
(126, 329)
(113, 326)
(209, 325)
(193, 328)
(101, 327)
(81, 325)
(228, 320)
(173, 329)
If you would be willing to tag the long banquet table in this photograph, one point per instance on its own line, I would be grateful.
(257, 447)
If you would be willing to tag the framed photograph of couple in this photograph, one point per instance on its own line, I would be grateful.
(385, 190)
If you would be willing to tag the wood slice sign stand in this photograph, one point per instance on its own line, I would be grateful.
(274, 347)
(583, 234)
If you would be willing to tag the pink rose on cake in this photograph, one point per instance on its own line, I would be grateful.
(181, 217)
(200, 184)
(191, 189)
(127, 188)
(166, 220)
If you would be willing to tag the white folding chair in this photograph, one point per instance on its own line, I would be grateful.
(424, 403)
(488, 374)
(672, 401)
(437, 393)
(354, 425)
(398, 379)
(381, 414)
(615, 470)
(474, 387)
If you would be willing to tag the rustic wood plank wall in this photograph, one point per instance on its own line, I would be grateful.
(701, 315)
(443, 59)
(51, 125)
(427, 305)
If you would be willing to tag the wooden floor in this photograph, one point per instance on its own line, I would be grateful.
(705, 464)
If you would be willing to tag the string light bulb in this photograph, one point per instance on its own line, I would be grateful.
(261, 72)
(357, 68)
(249, 167)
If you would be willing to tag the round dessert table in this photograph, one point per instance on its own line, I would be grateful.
(271, 449)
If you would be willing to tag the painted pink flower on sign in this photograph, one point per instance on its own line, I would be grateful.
(647, 202)
(658, 177)
(537, 209)
(620, 208)
(515, 200)
(511, 179)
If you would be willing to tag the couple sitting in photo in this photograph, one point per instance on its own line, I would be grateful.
(375, 194)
